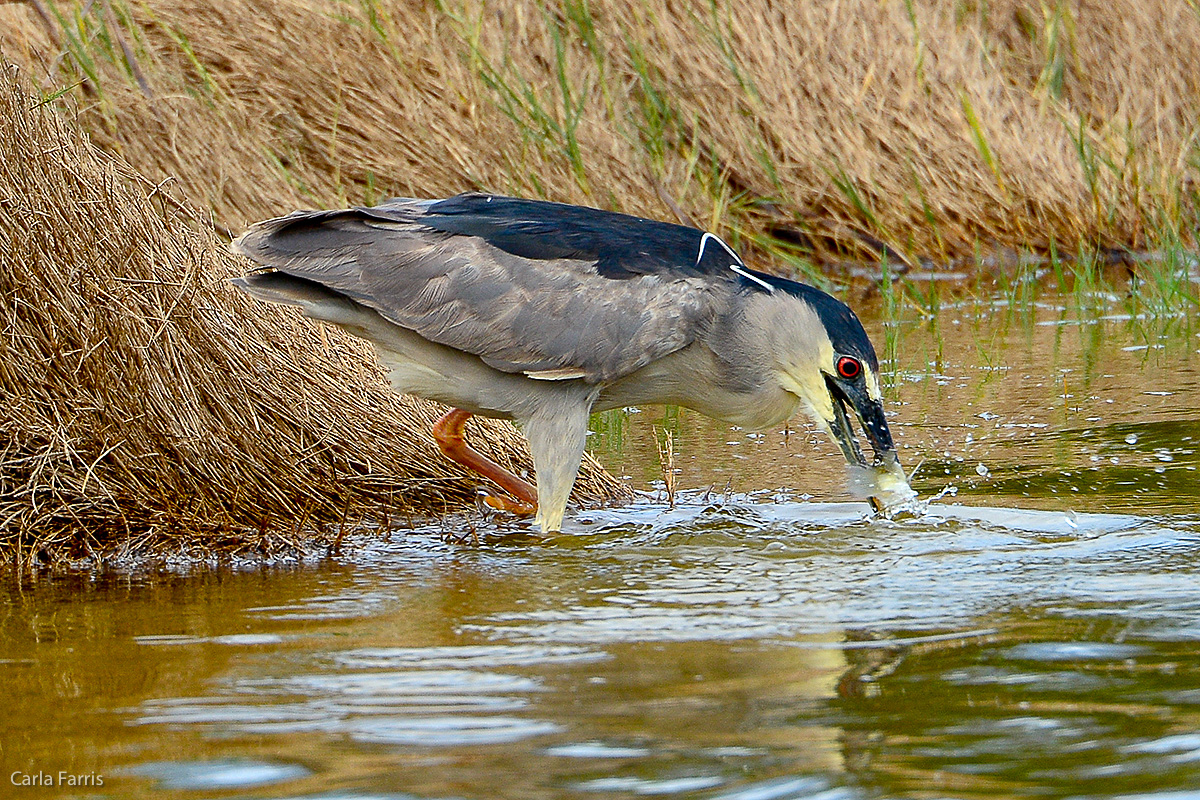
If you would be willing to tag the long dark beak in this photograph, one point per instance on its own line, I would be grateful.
(874, 425)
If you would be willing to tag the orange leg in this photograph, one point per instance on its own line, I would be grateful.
(448, 433)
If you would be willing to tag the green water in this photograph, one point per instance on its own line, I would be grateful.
(1035, 633)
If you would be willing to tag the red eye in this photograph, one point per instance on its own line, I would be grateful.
(848, 367)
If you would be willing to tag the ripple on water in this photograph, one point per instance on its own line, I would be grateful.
(812, 568)
(452, 697)
(457, 730)
(1074, 651)
(803, 788)
(1181, 747)
(1053, 681)
(344, 606)
(596, 750)
(220, 774)
(236, 639)
(464, 656)
(643, 786)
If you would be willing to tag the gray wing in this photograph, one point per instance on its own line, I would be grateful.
(552, 318)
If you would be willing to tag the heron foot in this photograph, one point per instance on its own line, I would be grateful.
(509, 506)
(448, 433)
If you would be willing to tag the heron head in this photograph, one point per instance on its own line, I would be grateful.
(826, 359)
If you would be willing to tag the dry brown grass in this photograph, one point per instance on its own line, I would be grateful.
(936, 128)
(145, 403)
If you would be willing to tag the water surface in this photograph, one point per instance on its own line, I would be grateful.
(1033, 633)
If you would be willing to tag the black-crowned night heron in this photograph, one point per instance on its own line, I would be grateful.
(543, 313)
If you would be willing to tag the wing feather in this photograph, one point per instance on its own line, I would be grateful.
(575, 313)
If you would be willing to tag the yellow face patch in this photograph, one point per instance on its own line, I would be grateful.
(872, 380)
(810, 388)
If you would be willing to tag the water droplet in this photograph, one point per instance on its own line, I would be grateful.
(1131, 439)
(982, 471)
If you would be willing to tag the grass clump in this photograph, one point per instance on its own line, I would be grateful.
(145, 403)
